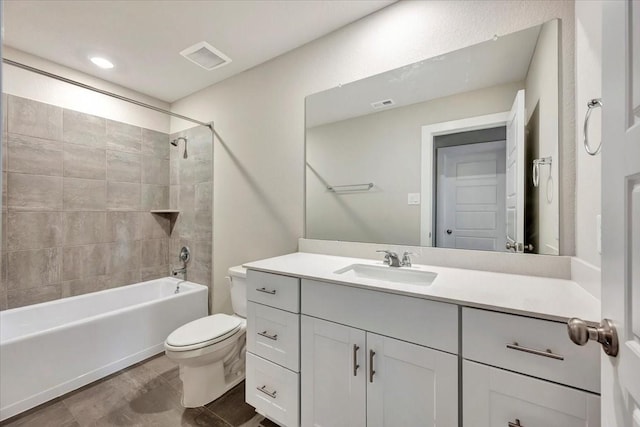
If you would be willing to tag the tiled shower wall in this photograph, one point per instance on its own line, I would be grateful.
(192, 193)
(77, 190)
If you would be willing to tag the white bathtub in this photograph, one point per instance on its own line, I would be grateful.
(52, 348)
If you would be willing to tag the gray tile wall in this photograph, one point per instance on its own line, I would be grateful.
(191, 192)
(77, 190)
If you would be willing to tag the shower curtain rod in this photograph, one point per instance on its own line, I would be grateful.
(104, 92)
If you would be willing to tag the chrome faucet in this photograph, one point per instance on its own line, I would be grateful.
(185, 257)
(390, 258)
(406, 259)
(393, 260)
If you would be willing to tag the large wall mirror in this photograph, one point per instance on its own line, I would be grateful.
(457, 151)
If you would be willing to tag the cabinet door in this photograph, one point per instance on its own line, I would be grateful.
(495, 397)
(333, 388)
(409, 385)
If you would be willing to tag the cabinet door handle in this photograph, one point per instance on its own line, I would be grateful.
(546, 353)
(371, 370)
(266, 391)
(266, 335)
(266, 291)
(355, 360)
(516, 424)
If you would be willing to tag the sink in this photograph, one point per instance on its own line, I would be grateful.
(402, 275)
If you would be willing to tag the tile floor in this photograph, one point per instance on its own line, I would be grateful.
(146, 394)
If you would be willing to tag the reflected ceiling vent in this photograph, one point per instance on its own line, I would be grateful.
(383, 104)
(206, 56)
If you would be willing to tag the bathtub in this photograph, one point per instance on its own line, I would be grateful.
(52, 348)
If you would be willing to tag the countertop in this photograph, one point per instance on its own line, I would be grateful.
(544, 298)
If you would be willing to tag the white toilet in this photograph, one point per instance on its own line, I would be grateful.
(211, 350)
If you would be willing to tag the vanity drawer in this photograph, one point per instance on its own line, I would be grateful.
(274, 335)
(274, 290)
(273, 390)
(428, 323)
(521, 344)
(495, 397)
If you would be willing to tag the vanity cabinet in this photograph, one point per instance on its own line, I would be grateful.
(273, 346)
(352, 376)
(522, 371)
(328, 354)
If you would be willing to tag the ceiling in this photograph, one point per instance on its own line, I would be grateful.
(144, 38)
(488, 64)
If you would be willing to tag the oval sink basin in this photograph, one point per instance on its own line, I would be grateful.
(402, 275)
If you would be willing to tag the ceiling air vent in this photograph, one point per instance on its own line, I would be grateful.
(206, 56)
(382, 104)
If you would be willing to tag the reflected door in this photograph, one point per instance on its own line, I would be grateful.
(471, 196)
(515, 176)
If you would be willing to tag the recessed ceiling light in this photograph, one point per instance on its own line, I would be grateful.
(101, 62)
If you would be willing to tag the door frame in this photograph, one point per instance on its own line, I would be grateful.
(428, 163)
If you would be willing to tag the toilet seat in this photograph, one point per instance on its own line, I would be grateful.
(203, 332)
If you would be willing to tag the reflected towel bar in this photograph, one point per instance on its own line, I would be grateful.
(350, 187)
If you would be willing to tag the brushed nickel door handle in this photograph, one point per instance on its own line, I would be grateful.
(266, 291)
(355, 360)
(371, 370)
(546, 353)
(605, 333)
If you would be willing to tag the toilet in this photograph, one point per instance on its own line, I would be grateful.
(211, 350)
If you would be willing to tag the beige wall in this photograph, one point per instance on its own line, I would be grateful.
(542, 90)
(383, 148)
(588, 86)
(259, 115)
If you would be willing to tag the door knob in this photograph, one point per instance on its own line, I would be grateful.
(606, 334)
(449, 231)
(509, 246)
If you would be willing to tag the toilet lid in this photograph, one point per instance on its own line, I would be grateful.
(210, 330)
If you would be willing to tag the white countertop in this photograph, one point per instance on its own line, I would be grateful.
(545, 298)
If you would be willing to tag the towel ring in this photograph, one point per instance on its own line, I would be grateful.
(594, 103)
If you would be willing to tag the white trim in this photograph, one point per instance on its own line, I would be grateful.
(427, 161)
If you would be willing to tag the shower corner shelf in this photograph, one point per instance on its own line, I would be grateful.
(165, 211)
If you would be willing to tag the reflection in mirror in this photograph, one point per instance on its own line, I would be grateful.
(442, 152)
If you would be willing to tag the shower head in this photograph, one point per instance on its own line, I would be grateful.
(177, 140)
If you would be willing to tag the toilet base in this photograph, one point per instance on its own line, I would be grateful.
(204, 384)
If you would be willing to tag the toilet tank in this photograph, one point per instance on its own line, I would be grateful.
(238, 281)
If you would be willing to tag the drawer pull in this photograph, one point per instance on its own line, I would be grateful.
(266, 391)
(266, 291)
(516, 424)
(266, 335)
(546, 353)
(371, 371)
(355, 360)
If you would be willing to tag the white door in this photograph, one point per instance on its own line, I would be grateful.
(515, 175)
(495, 397)
(621, 209)
(333, 387)
(409, 385)
(470, 208)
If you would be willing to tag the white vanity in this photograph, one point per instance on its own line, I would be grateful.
(332, 346)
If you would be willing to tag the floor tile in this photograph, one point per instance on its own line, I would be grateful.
(55, 414)
(232, 407)
(147, 394)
